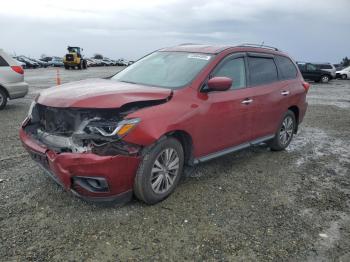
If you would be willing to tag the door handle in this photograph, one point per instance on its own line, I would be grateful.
(247, 101)
(285, 93)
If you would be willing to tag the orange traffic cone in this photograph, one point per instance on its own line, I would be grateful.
(58, 79)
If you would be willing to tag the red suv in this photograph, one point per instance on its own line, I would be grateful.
(134, 133)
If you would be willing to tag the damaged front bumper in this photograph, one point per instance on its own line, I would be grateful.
(81, 155)
(73, 171)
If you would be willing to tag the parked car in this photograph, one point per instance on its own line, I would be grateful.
(29, 63)
(57, 62)
(40, 63)
(90, 62)
(22, 64)
(46, 59)
(312, 72)
(328, 67)
(12, 83)
(106, 62)
(122, 62)
(344, 73)
(338, 67)
(134, 133)
(97, 62)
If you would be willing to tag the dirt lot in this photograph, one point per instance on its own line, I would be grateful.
(254, 205)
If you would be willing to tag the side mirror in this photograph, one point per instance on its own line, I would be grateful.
(219, 83)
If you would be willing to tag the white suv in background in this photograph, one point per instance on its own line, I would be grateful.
(328, 67)
(12, 83)
(344, 73)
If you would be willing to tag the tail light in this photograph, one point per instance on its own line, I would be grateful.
(306, 86)
(17, 69)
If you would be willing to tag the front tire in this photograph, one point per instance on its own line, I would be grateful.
(3, 99)
(284, 134)
(344, 77)
(160, 171)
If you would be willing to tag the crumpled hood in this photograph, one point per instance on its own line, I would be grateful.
(99, 93)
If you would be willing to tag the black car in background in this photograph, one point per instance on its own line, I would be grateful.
(313, 72)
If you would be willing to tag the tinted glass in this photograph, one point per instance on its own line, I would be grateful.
(3, 62)
(311, 67)
(235, 70)
(326, 67)
(165, 69)
(262, 70)
(286, 67)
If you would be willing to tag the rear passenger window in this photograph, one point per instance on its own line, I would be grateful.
(286, 67)
(262, 70)
(3, 62)
(233, 69)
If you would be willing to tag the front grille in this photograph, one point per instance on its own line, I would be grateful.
(65, 121)
(69, 57)
(57, 121)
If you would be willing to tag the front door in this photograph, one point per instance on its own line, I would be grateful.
(226, 117)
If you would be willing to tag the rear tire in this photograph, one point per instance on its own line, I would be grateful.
(80, 66)
(325, 79)
(3, 99)
(159, 171)
(284, 134)
(67, 67)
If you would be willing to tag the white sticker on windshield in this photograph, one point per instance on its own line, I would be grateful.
(197, 56)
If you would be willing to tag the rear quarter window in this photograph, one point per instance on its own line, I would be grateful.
(286, 67)
(262, 70)
(3, 62)
(326, 67)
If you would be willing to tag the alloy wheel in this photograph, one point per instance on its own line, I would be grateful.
(325, 79)
(165, 170)
(286, 131)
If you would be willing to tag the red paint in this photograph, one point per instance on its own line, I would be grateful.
(118, 170)
(214, 120)
(18, 69)
(99, 93)
(219, 83)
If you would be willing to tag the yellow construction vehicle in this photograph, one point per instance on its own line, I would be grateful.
(74, 58)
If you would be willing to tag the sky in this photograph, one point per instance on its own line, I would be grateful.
(315, 31)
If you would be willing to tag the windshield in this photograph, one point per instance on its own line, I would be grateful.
(165, 69)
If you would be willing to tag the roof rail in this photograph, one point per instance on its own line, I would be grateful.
(258, 46)
(188, 44)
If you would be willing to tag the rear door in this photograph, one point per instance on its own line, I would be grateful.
(266, 92)
(312, 73)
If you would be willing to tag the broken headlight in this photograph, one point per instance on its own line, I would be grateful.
(110, 128)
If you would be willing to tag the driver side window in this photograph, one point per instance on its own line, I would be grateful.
(234, 69)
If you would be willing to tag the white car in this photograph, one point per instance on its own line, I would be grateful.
(12, 83)
(344, 73)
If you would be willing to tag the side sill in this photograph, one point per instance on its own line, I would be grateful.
(233, 149)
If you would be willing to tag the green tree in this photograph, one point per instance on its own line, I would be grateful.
(98, 56)
(345, 61)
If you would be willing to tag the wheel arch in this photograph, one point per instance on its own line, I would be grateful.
(5, 90)
(296, 111)
(187, 144)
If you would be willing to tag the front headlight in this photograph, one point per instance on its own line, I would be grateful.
(111, 128)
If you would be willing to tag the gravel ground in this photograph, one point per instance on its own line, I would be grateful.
(255, 205)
